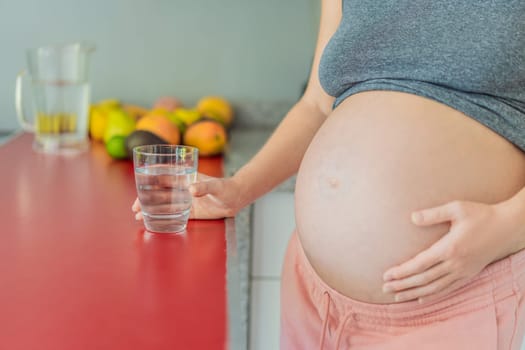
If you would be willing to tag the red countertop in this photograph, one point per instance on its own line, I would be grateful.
(77, 272)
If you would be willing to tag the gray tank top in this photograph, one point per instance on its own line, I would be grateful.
(469, 55)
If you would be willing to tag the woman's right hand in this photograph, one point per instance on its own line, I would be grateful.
(213, 198)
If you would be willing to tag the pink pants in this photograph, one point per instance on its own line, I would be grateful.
(487, 313)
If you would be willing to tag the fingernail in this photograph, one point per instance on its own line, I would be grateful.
(192, 189)
(398, 298)
(137, 216)
(387, 276)
(417, 217)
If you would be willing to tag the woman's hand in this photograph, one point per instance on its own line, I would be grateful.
(479, 234)
(214, 198)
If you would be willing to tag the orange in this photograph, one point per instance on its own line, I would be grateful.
(216, 108)
(160, 125)
(135, 111)
(208, 136)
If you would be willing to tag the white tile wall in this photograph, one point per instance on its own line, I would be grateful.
(264, 311)
(273, 222)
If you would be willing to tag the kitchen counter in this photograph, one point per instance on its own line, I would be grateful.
(244, 143)
(77, 272)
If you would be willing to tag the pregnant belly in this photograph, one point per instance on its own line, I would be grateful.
(379, 156)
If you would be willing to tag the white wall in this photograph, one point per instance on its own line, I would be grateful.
(243, 49)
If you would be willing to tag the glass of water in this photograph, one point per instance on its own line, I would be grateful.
(163, 174)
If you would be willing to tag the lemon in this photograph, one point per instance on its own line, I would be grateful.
(98, 121)
(216, 108)
(159, 110)
(179, 123)
(119, 123)
(109, 103)
(116, 147)
(187, 116)
(183, 117)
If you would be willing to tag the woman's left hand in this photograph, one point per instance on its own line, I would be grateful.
(479, 234)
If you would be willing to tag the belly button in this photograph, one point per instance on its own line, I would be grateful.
(333, 182)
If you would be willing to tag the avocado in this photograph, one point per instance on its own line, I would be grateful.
(141, 138)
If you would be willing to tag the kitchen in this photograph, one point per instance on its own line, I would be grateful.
(189, 49)
(254, 55)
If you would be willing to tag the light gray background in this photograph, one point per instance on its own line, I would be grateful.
(246, 50)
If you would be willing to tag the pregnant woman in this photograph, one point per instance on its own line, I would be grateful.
(409, 150)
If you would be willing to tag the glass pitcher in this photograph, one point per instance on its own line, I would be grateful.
(61, 94)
